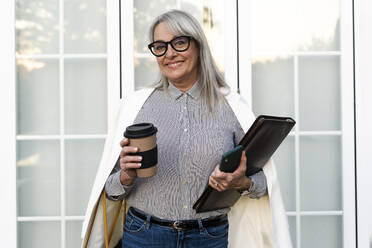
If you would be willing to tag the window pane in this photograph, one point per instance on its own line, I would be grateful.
(37, 26)
(284, 159)
(85, 26)
(319, 93)
(73, 230)
(292, 229)
(38, 189)
(321, 231)
(37, 96)
(82, 160)
(144, 13)
(39, 234)
(85, 96)
(289, 26)
(276, 75)
(320, 162)
(146, 72)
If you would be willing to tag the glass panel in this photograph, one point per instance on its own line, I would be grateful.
(319, 93)
(144, 13)
(146, 72)
(284, 159)
(73, 230)
(37, 96)
(289, 26)
(38, 189)
(321, 33)
(85, 96)
(273, 86)
(37, 26)
(85, 26)
(82, 160)
(320, 161)
(39, 234)
(292, 229)
(321, 231)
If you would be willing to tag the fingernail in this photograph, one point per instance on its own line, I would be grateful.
(140, 158)
(136, 149)
(139, 164)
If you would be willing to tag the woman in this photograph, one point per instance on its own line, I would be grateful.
(196, 125)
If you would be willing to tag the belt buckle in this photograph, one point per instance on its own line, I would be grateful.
(177, 225)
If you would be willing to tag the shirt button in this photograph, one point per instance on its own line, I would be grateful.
(185, 95)
(185, 130)
(185, 207)
(185, 182)
(184, 107)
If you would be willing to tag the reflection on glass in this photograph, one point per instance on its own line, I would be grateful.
(319, 93)
(85, 26)
(37, 96)
(320, 173)
(37, 26)
(85, 96)
(82, 160)
(284, 159)
(273, 87)
(38, 188)
(289, 26)
(44, 234)
(73, 230)
(321, 231)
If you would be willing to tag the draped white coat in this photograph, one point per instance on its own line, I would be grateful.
(253, 223)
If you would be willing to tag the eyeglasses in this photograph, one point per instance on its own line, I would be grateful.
(179, 43)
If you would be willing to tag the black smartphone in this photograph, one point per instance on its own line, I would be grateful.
(230, 160)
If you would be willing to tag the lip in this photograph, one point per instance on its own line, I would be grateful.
(174, 65)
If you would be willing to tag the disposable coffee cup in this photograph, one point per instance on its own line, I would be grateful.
(143, 136)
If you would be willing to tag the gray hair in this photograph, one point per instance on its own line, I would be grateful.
(210, 77)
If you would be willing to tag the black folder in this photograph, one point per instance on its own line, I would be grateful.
(259, 143)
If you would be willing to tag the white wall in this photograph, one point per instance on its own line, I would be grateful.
(363, 84)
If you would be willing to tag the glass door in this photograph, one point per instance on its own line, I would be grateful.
(301, 53)
(61, 116)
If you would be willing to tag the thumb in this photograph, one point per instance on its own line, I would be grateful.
(242, 166)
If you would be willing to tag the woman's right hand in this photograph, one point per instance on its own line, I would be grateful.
(128, 163)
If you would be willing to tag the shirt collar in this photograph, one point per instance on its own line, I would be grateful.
(193, 92)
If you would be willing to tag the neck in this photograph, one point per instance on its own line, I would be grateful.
(184, 86)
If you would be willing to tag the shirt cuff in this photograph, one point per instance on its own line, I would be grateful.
(114, 189)
(258, 186)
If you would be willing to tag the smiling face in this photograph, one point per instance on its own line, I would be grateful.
(181, 68)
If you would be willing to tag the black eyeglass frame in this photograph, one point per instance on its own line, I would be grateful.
(189, 38)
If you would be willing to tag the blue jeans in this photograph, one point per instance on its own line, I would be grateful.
(139, 233)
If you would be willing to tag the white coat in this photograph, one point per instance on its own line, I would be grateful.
(253, 223)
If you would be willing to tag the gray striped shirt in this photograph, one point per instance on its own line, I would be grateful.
(190, 142)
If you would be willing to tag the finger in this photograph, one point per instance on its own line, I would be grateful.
(128, 149)
(214, 184)
(128, 166)
(242, 165)
(128, 159)
(124, 142)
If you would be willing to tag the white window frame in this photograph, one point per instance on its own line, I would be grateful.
(363, 102)
(8, 206)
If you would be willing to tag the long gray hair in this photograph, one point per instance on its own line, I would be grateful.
(210, 77)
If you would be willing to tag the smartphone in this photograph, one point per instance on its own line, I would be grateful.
(230, 160)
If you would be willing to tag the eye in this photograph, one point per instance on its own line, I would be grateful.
(159, 46)
(180, 41)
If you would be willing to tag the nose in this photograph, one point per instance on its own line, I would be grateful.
(170, 51)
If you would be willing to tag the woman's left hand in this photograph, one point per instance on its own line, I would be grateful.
(237, 180)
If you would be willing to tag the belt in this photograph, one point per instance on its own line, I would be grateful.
(183, 224)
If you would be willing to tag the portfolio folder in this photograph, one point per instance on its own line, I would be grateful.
(259, 143)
